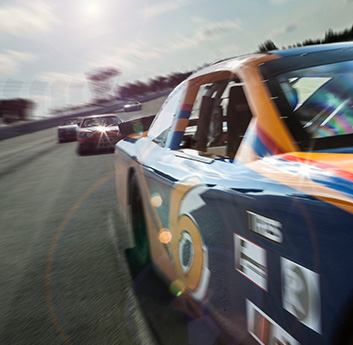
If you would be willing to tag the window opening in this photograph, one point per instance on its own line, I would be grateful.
(218, 120)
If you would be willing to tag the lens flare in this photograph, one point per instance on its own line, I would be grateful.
(101, 129)
(156, 200)
(138, 127)
(177, 287)
(165, 236)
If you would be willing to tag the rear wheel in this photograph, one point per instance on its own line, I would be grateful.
(139, 256)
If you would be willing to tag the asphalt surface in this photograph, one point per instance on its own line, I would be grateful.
(64, 275)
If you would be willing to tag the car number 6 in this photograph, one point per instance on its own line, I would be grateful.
(187, 247)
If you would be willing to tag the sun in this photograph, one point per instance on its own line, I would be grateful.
(92, 9)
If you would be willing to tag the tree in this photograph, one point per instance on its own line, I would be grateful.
(101, 81)
(266, 46)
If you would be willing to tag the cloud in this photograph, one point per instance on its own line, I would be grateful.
(10, 61)
(127, 58)
(163, 7)
(57, 77)
(214, 30)
(134, 55)
(20, 20)
(285, 29)
(205, 33)
(278, 2)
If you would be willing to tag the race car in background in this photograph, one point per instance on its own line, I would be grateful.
(98, 132)
(67, 130)
(132, 106)
(241, 195)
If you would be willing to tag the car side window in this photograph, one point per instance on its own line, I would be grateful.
(219, 119)
(163, 121)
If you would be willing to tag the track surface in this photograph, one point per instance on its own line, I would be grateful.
(64, 277)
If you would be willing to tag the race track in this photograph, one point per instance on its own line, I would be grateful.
(64, 277)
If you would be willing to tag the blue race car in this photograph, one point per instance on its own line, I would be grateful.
(241, 195)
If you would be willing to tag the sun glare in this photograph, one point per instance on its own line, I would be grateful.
(92, 9)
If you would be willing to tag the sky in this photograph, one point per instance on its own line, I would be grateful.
(48, 47)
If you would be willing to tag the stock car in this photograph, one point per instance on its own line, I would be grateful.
(98, 132)
(67, 130)
(132, 106)
(241, 195)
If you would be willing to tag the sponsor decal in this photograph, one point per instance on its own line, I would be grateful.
(301, 294)
(265, 227)
(264, 329)
(251, 261)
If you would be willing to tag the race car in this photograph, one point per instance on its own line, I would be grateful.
(98, 132)
(241, 196)
(67, 130)
(132, 106)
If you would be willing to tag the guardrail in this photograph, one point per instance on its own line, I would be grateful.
(34, 126)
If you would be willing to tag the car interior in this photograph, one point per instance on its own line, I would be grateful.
(219, 119)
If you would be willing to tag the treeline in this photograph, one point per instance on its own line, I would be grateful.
(330, 37)
(132, 90)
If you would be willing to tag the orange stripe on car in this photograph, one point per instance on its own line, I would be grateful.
(304, 185)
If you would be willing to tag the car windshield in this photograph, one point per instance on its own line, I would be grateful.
(101, 121)
(321, 98)
(69, 122)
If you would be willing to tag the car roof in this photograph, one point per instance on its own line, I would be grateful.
(281, 60)
(305, 57)
(100, 115)
(312, 49)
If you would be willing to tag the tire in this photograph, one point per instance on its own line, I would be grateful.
(139, 256)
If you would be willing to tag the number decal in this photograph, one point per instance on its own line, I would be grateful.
(187, 247)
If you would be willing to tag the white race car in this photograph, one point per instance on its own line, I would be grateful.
(132, 106)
